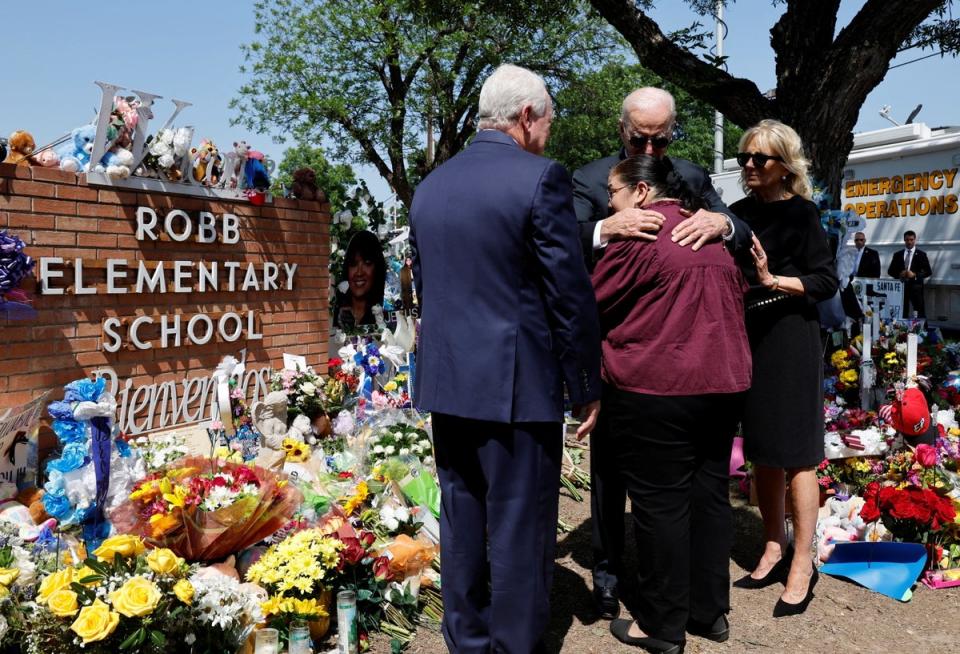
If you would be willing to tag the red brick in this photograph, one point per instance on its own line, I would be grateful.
(30, 220)
(76, 223)
(77, 193)
(54, 175)
(41, 237)
(97, 240)
(14, 202)
(37, 189)
(117, 197)
(63, 207)
(12, 170)
(101, 210)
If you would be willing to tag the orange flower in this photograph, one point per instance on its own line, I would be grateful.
(163, 523)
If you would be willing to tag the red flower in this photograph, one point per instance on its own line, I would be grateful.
(381, 568)
(367, 538)
(925, 455)
(345, 475)
(354, 552)
(334, 363)
(870, 511)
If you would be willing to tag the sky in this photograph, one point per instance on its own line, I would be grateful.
(191, 51)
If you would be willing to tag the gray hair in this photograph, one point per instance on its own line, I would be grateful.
(506, 92)
(648, 97)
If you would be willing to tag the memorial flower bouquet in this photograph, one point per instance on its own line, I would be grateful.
(399, 440)
(205, 509)
(21, 563)
(128, 599)
(304, 390)
(911, 514)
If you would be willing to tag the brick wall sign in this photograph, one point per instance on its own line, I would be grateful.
(154, 289)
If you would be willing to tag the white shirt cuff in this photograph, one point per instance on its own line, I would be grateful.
(597, 243)
(733, 229)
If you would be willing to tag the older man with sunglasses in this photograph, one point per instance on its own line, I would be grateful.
(646, 127)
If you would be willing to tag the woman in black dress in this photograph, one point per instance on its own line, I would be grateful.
(791, 270)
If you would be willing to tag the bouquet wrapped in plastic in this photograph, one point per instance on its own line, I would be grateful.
(205, 509)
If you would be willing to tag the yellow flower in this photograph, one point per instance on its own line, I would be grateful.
(164, 561)
(63, 603)
(298, 453)
(95, 622)
(136, 598)
(8, 575)
(390, 386)
(84, 572)
(290, 443)
(53, 583)
(839, 360)
(4, 592)
(358, 498)
(400, 378)
(183, 589)
(125, 545)
(163, 523)
(271, 606)
(954, 431)
(178, 497)
(849, 376)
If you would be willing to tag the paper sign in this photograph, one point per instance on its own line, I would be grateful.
(883, 296)
(295, 362)
(18, 441)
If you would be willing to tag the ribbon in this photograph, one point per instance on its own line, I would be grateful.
(227, 368)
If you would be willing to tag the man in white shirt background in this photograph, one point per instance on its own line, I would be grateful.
(912, 266)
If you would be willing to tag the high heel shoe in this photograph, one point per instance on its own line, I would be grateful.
(776, 574)
(783, 609)
(620, 628)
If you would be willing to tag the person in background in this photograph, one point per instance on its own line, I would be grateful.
(791, 268)
(677, 313)
(868, 259)
(912, 266)
(365, 274)
(647, 120)
(508, 319)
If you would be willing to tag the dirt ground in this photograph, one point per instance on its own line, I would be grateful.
(842, 618)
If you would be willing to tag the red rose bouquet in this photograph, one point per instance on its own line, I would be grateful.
(911, 514)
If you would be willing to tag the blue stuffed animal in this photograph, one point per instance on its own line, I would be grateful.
(75, 154)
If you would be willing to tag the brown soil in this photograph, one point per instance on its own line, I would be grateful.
(842, 618)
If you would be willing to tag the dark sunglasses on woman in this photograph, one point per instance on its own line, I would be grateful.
(759, 159)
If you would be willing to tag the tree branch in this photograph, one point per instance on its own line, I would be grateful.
(738, 99)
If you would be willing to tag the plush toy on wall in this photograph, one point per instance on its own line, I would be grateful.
(240, 151)
(165, 152)
(304, 185)
(75, 154)
(19, 148)
(207, 163)
(46, 158)
(255, 172)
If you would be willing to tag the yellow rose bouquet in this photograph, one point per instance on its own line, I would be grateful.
(124, 598)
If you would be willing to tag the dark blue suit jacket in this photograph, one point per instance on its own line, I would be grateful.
(508, 312)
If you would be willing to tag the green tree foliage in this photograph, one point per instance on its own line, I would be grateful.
(332, 179)
(825, 70)
(367, 74)
(588, 111)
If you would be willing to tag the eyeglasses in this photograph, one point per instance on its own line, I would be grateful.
(759, 159)
(613, 191)
(639, 141)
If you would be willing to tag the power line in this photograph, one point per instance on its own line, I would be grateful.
(913, 61)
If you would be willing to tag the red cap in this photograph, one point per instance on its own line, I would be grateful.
(910, 415)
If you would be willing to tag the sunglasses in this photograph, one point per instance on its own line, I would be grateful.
(640, 141)
(759, 159)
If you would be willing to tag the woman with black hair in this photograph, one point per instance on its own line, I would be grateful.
(676, 362)
(365, 271)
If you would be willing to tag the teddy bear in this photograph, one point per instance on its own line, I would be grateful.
(304, 185)
(237, 162)
(207, 163)
(270, 418)
(19, 148)
(302, 430)
(75, 154)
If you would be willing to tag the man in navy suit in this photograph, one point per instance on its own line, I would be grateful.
(912, 266)
(508, 319)
(646, 126)
(868, 259)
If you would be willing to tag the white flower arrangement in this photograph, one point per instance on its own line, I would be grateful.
(399, 440)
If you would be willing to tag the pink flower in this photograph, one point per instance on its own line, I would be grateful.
(926, 455)
(216, 425)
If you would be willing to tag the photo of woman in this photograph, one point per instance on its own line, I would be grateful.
(361, 285)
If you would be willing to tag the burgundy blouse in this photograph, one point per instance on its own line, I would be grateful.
(672, 318)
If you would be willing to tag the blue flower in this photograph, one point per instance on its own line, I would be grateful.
(84, 390)
(122, 447)
(58, 506)
(55, 483)
(60, 410)
(74, 456)
(70, 431)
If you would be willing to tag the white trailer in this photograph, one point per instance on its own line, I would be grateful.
(898, 179)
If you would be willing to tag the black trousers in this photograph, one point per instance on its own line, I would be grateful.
(913, 299)
(673, 454)
(608, 496)
(499, 494)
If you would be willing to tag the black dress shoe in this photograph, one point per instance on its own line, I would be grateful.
(783, 609)
(608, 601)
(717, 631)
(620, 629)
(776, 574)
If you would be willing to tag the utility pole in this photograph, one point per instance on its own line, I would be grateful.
(717, 116)
(429, 132)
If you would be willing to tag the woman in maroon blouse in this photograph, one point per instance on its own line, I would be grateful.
(676, 362)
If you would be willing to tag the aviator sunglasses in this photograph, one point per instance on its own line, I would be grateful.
(639, 141)
(759, 159)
